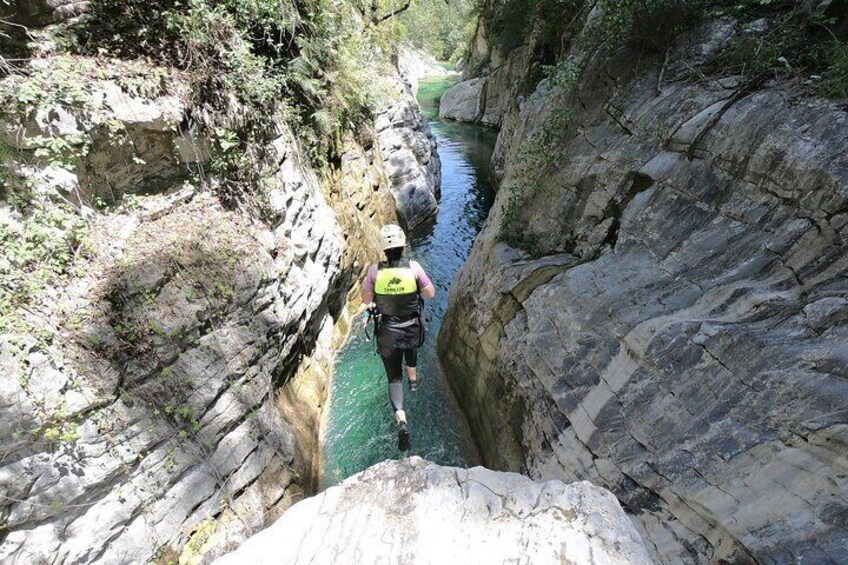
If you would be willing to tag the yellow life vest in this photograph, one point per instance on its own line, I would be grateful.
(396, 290)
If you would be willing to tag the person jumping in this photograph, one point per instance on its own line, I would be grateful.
(393, 291)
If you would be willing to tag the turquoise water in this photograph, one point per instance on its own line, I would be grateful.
(361, 429)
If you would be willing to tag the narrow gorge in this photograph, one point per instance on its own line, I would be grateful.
(175, 285)
(635, 214)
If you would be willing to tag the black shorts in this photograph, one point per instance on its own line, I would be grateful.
(394, 362)
(407, 334)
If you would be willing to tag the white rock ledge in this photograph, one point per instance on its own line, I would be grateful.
(414, 511)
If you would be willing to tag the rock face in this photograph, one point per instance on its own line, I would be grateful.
(463, 100)
(162, 396)
(415, 65)
(163, 365)
(678, 330)
(42, 12)
(487, 97)
(413, 511)
(114, 140)
(412, 162)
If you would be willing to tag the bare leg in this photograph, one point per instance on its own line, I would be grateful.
(411, 357)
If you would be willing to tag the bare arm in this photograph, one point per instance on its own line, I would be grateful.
(428, 291)
(367, 293)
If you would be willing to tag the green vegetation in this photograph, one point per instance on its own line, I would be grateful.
(442, 29)
(537, 154)
(835, 84)
(60, 429)
(510, 22)
(775, 39)
(194, 253)
(316, 61)
(37, 253)
(66, 85)
(794, 45)
(651, 24)
(789, 39)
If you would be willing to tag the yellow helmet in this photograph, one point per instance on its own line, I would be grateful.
(391, 236)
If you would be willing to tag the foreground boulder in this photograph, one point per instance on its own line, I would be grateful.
(414, 511)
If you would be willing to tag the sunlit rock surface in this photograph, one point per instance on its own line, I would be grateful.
(463, 101)
(415, 65)
(163, 398)
(413, 511)
(677, 328)
(411, 160)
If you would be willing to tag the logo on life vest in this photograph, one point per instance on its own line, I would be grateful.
(395, 281)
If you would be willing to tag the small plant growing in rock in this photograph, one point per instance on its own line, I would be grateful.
(538, 153)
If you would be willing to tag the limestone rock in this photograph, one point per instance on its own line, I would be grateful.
(414, 65)
(408, 150)
(43, 12)
(463, 101)
(413, 511)
(675, 331)
(175, 402)
(117, 141)
(489, 96)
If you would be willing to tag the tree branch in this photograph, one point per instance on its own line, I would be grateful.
(13, 24)
(394, 13)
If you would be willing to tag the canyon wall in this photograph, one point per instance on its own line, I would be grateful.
(167, 353)
(659, 301)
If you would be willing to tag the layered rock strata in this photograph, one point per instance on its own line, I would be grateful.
(422, 513)
(412, 162)
(162, 397)
(678, 330)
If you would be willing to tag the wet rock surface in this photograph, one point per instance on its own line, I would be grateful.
(413, 511)
(678, 333)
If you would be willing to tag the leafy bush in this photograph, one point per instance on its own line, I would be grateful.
(311, 58)
(510, 23)
(652, 24)
(835, 84)
(440, 28)
(37, 253)
(537, 154)
(795, 45)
